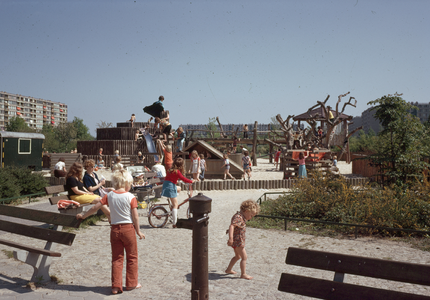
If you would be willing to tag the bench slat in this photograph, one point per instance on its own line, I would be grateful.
(357, 265)
(59, 237)
(326, 289)
(54, 189)
(39, 216)
(30, 249)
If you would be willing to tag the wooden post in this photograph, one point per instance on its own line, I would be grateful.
(254, 145)
(270, 151)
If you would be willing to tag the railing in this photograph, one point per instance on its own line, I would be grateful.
(356, 226)
(22, 196)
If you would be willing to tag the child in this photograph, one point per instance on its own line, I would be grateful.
(203, 167)
(132, 119)
(334, 166)
(140, 157)
(195, 165)
(245, 131)
(124, 221)
(302, 165)
(137, 135)
(226, 167)
(100, 162)
(168, 159)
(165, 127)
(118, 165)
(236, 236)
(170, 190)
(180, 138)
(246, 164)
(277, 155)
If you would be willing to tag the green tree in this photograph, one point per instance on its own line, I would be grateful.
(212, 125)
(17, 124)
(400, 151)
(82, 131)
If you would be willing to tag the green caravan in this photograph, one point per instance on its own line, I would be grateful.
(21, 149)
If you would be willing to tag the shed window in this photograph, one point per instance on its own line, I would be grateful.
(24, 146)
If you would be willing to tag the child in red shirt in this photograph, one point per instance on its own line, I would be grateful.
(170, 190)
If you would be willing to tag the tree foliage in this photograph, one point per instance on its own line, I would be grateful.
(401, 149)
(17, 124)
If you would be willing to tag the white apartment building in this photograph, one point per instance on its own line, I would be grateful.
(36, 112)
(423, 111)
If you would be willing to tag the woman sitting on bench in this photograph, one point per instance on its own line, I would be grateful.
(75, 187)
(92, 182)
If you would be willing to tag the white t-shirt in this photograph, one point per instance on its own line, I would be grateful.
(120, 205)
(160, 169)
(59, 165)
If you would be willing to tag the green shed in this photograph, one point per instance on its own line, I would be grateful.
(21, 149)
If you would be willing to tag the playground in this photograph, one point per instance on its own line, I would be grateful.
(84, 270)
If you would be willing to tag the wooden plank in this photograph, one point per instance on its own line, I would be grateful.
(327, 289)
(358, 265)
(30, 249)
(54, 189)
(39, 216)
(49, 235)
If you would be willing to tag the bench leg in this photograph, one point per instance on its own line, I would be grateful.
(39, 262)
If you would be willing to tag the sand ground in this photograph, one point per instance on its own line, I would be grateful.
(165, 259)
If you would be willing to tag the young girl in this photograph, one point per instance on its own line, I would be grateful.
(226, 167)
(195, 165)
(124, 223)
(203, 167)
(170, 190)
(236, 236)
(302, 165)
(246, 164)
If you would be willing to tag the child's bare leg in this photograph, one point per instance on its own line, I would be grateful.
(242, 254)
(233, 261)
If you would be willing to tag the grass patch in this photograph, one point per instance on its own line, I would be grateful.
(8, 253)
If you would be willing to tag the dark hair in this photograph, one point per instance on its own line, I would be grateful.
(62, 159)
(178, 165)
(161, 98)
(246, 152)
(301, 155)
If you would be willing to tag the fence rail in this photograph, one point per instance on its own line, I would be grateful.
(22, 196)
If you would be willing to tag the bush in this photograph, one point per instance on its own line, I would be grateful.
(20, 181)
(330, 198)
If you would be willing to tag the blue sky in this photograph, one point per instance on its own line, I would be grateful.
(242, 61)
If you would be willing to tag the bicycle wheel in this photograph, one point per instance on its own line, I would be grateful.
(158, 217)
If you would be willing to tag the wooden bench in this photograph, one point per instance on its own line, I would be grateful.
(56, 190)
(343, 264)
(39, 258)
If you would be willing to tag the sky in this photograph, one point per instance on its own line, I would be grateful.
(241, 61)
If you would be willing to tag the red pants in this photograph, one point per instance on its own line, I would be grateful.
(122, 237)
